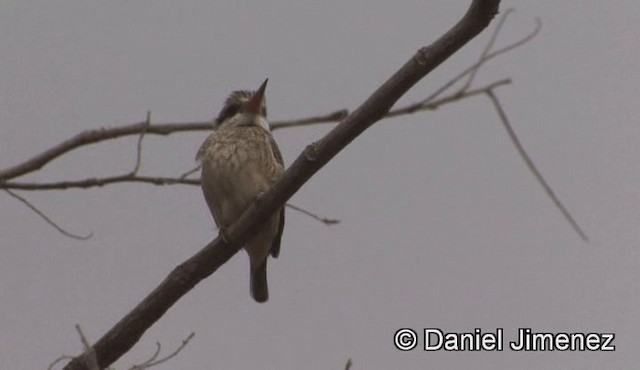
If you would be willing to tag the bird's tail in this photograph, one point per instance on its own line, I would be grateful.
(259, 288)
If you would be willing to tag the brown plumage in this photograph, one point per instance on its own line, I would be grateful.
(240, 160)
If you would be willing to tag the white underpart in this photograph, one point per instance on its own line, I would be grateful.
(263, 123)
(247, 119)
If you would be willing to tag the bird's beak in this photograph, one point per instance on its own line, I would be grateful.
(254, 105)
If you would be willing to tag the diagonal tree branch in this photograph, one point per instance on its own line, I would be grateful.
(183, 278)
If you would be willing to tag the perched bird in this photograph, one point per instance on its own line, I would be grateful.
(240, 161)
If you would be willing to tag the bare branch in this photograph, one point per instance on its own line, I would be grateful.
(150, 360)
(489, 56)
(46, 218)
(89, 355)
(326, 221)
(153, 362)
(336, 116)
(435, 104)
(532, 167)
(518, 43)
(94, 136)
(59, 359)
(182, 279)
(139, 146)
(348, 365)
(93, 182)
(190, 172)
(487, 49)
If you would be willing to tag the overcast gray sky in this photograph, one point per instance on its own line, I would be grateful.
(442, 225)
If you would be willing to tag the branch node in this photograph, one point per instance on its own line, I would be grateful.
(339, 115)
(311, 152)
(423, 55)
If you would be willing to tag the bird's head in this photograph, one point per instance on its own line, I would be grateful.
(244, 108)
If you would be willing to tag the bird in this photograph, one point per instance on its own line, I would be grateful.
(240, 161)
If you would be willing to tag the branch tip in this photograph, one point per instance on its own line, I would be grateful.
(46, 218)
(532, 167)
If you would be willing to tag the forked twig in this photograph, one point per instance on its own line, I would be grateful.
(487, 49)
(486, 58)
(153, 362)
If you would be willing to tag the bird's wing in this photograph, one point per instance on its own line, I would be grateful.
(276, 150)
(209, 194)
(203, 148)
(275, 246)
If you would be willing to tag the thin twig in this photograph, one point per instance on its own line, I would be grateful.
(89, 354)
(326, 221)
(489, 56)
(336, 116)
(59, 359)
(518, 43)
(153, 357)
(532, 167)
(94, 182)
(46, 218)
(487, 49)
(153, 362)
(348, 365)
(190, 172)
(136, 168)
(432, 105)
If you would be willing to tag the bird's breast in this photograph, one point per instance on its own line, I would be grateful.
(237, 165)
